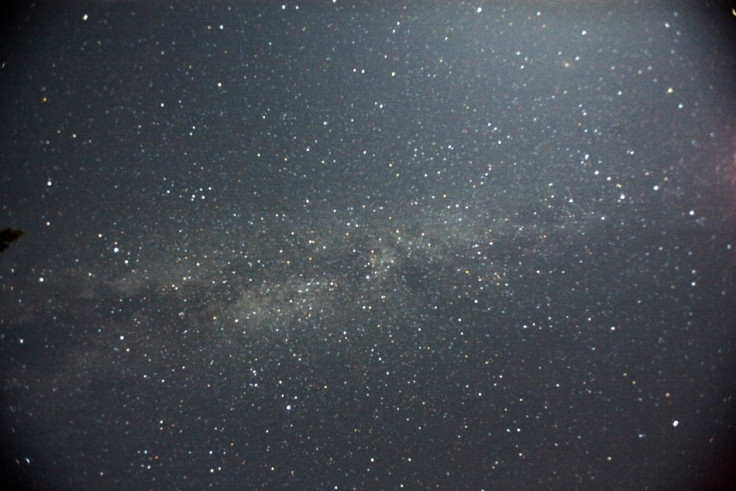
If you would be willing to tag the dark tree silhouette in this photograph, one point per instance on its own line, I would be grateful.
(8, 236)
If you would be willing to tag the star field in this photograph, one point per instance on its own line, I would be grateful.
(341, 245)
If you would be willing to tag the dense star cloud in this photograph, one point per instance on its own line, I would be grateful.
(350, 246)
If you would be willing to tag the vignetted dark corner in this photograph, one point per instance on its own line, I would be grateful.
(368, 245)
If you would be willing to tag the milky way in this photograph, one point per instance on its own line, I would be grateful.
(327, 245)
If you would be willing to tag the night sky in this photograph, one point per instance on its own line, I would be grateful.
(368, 245)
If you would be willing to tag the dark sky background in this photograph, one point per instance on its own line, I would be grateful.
(368, 245)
